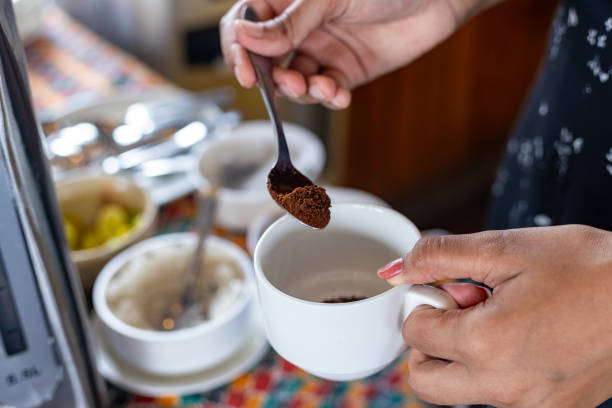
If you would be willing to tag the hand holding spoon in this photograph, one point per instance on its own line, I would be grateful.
(292, 190)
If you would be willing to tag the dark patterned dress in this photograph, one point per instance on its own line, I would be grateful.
(558, 165)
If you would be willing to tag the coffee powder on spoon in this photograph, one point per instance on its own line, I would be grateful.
(310, 203)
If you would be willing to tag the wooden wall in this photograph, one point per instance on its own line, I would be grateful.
(427, 138)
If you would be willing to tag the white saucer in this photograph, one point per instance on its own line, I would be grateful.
(132, 380)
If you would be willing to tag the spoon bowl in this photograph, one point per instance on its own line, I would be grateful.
(285, 180)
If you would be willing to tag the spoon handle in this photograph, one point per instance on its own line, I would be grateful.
(207, 203)
(263, 72)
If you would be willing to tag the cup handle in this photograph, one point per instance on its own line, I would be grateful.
(418, 295)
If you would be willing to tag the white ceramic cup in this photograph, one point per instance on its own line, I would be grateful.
(297, 268)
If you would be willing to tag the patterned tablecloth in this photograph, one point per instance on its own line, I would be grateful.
(70, 67)
(275, 382)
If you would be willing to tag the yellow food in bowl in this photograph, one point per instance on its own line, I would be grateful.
(112, 221)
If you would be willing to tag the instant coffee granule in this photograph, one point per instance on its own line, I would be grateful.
(344, 299)
(309, 204)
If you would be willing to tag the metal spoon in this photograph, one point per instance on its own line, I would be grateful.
(284, 177)
(187, 311)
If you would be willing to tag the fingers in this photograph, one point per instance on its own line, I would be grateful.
(303, 82)
(327, 90)
(304, 64)
(233, 53)
(442, 351)
(311, 89)
(321, 88)
(281, 34)
(490, 257)
(341, 101)
(434, 332)
(466, 294)
(243, 69)
(440, 382)
(290, 83)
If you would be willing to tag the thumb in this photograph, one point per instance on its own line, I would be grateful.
(490, 257)
(284, 32)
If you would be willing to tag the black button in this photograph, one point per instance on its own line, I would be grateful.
(10, 327)
(3, 281)
(14, 342)
(8, 317)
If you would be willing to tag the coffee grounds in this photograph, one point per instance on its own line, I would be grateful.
(344, 299)
(309, 204)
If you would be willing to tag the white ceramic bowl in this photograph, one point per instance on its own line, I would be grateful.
(81, 196)
(182, 351)
(255, 141)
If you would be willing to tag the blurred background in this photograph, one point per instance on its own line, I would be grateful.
(426, 139)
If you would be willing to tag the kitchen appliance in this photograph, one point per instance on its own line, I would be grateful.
(45, 358)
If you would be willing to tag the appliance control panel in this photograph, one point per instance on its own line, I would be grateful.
(30, 372)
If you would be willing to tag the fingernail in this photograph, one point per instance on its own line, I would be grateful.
(336, 103)
(236, 74)
(287, 91)
(253, 29)
(236, 54)
(391, 269)
(316, 93)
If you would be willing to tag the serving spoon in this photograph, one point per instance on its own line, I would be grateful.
(187, 310)
(284, 177)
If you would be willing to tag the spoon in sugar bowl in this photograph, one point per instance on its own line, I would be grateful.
(292, 190)
(189, 309)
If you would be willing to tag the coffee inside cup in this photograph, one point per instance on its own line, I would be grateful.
(344, 299)
(334, 265)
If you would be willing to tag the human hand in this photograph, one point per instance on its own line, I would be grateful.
(542, 339)
(338, 44)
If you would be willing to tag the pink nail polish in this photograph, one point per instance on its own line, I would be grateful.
(391, 269)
